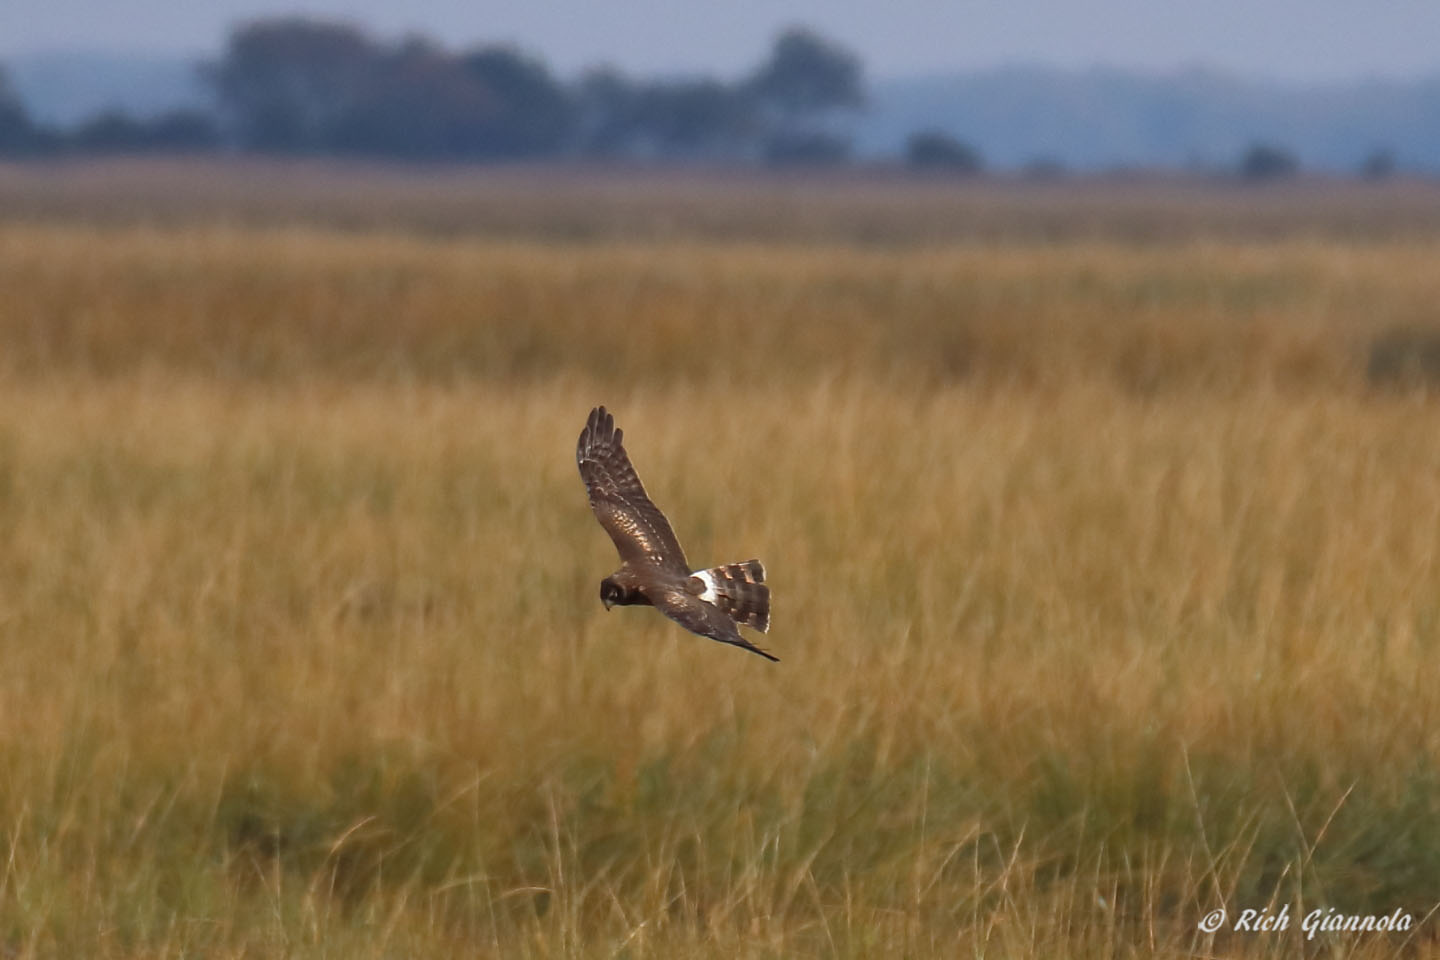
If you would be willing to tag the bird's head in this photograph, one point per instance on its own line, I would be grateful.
(611, 593)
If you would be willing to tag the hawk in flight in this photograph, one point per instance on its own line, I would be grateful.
(714, 602)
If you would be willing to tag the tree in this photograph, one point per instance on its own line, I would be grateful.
(284, 85)
(807, 75)
(416, 102)
(302, 85)
(605, 112)
(533, 115)
(17, 133)
(937, 150)
(111, 131)
(183, 130)
(1265, 161)
(1379, 165)
(115, 131)
(299, 85)
(684, 119)
(692, 119)
(805, 80)
(813, 149)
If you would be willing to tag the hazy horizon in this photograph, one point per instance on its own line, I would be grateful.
(1320, 42)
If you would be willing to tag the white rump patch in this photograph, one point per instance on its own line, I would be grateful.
(710, 595)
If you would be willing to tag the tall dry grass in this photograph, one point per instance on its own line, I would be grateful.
(866, 207)
(1105, 588)
(298, 303)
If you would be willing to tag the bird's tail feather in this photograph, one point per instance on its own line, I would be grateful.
(738, 589)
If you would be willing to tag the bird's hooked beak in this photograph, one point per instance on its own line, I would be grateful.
(608, 603)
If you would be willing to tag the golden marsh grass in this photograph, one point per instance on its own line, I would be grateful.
(1106, 589)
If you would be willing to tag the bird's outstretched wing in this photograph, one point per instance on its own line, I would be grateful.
(640, 531)
(707, 620)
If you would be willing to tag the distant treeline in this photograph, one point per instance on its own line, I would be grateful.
(300, 86)
(304, 87)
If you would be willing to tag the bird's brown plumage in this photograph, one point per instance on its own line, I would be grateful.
(653, 569)
(640, 531)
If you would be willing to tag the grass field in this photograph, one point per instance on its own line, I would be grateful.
(1107, 591)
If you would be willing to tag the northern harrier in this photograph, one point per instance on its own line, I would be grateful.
(712, 603)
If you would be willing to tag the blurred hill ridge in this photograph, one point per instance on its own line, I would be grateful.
(1196, 118)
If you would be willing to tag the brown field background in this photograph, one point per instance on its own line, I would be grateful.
(1105, 569)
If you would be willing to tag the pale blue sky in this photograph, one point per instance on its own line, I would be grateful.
(1281, 39)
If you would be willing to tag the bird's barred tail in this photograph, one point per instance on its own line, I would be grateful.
(738, 589)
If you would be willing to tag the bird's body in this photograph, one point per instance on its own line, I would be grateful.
(653, 569)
